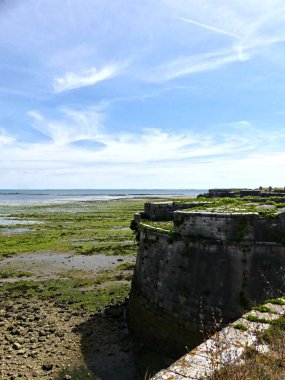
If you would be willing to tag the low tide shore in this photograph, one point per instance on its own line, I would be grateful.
(65, 274)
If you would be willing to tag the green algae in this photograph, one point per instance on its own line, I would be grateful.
(76, 294)
(87, 228)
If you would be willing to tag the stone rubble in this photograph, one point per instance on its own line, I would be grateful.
(34, 340)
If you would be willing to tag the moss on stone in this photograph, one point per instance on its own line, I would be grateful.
(240, 326)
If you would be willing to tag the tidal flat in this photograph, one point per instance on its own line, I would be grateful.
(65, 274)
(83, 228)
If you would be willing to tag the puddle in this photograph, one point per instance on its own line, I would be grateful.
(14, 230)
(11, 222)
(52, 263)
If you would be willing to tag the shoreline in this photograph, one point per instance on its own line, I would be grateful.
(83, 257)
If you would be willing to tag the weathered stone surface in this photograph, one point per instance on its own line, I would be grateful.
(261, 316)
(223, 348)
(210, 268)
(213, 263)
(278, 309)
(169, 375)
(256, 327)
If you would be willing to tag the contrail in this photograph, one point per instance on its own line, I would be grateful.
(212, 28)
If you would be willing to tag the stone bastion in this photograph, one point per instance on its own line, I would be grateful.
(209, 265)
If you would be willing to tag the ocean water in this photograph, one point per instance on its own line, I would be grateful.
(38, 197)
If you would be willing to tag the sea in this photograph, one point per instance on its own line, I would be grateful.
(41, 197)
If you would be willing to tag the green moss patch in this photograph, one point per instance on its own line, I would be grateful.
(76, 295)
(276, 301)
(85, 227)
(240, 326)
(9, 273)
(262, 309)
(243, 205)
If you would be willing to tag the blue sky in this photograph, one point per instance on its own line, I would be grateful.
(142, 94)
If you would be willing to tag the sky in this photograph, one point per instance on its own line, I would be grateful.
(142, 94)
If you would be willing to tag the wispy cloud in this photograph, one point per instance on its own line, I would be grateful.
(208, 27)
(85, 78)
(145, 145)
(72, 126)
(131, 158)
(137, 66)
(195, 64)
(252, 30)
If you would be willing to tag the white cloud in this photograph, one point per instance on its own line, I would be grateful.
(195, 64)
(72, 125)
(85, 78)
(5, 138)
(208, 27)
(147, 145)
(141, 147)
(236, 154)
(253, 27)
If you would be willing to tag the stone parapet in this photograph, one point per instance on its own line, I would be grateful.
(165, 210)
(226, 347)
(218, 226)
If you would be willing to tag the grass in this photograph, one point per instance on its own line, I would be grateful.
(255, 367)
(254, 318)
(9, 273)
(276, 301)
(240, 326)
(77, 295)
(258, 366)
(233, 205)
(126, 266)
(87, 228)
(262, 309)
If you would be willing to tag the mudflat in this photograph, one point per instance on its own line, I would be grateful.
(65, 273)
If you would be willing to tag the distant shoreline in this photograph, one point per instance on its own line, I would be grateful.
(45, 197)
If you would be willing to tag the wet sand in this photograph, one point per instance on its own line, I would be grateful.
(46, 265)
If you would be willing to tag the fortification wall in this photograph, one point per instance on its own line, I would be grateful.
(165, 210)
(230, 226)
(218, 226)
(210, 262)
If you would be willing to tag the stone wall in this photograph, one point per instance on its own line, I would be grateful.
(226, 347)
(209, 264)
(218, 226)
(165, 210)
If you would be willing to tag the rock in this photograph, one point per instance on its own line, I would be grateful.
(47, 366)
(21, 351)
(16, 346)
(67, 377)
(115, 312)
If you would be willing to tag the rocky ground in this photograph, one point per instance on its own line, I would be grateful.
(76, 262)
(36, 338)
(40, 339)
